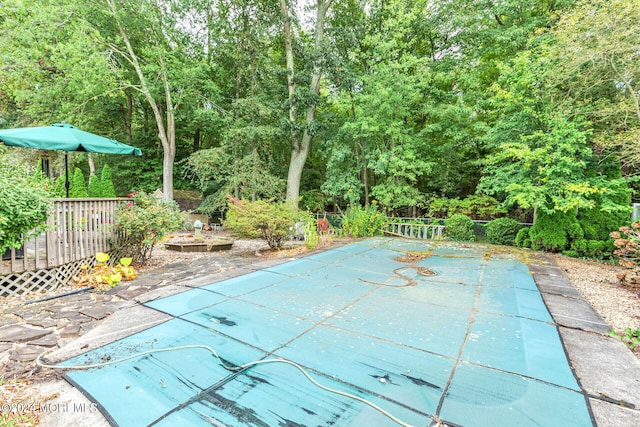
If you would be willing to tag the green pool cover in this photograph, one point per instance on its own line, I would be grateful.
(420, 333)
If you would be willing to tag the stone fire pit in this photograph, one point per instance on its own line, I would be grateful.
(205, 245)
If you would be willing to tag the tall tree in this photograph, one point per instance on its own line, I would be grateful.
(302, 134)
(595, 52)
(146, 42)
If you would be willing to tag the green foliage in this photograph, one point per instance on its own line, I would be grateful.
(219, 175)
(475, 206)
(58, 189)
(630, 337)
(313, 201)
(23, 204)
(78, 185)
(554, 232)
(459, 227)
(144, 221)
(271, 221)
(95, 186)
(106, 183)
(523, 240)
(595, 249)
(103, 276)
(503, 231)
(363, 221)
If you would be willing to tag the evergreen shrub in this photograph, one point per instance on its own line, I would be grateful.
(459, 227)
(522, 238)
(503, 231)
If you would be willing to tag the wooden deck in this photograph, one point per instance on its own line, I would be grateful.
(76, 230)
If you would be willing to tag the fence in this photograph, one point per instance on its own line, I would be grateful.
(415, 230)
(76, 230)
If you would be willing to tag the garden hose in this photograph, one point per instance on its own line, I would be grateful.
(229, 368)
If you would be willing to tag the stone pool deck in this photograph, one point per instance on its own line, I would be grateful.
(607, 371)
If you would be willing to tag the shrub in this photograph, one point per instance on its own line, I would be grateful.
(261, 219)
(522, 238)
(106, 183)
(95, 186)
(503, 231)
(590, 248)
(459, 227)
(23, 205)
(475, 206)
(144, 221)
(627, 243)
(313, 201)
(363, 221)
(555, 231)
(78, 185)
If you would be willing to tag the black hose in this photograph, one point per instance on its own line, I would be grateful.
(59, 296)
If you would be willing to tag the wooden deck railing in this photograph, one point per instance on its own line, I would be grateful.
(76, 229)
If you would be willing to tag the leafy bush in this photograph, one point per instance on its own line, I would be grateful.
(459, 227)
(363, 221)
(627, 243)
(522, 238)
(144, 221)
(23, 205)
(313, 200)
(555, 231)
(261, 219)
(475, 207)
(503, 231)
(586, 248)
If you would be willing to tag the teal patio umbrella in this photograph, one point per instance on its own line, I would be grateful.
(64, 137)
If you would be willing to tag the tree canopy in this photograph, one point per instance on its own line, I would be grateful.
(532, 102)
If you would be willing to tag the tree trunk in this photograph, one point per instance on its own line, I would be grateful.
(166, 133)
(92, 164)
(301, 147)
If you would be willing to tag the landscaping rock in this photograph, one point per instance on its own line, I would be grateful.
(20, 334)
(27, 353)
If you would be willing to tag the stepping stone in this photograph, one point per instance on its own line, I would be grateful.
(5, 321)
(97, 313)
(42, 321)
(27, 353)
(78, 318)
(86, 327)
(46, 341)
(70, 331)
(101, 311)
(132, 293)
(19, 333)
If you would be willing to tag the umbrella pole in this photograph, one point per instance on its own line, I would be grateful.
(66, 174)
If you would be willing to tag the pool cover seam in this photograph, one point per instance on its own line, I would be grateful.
(470, 321)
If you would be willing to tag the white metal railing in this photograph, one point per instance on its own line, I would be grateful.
(416, 231)
(76, 229)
